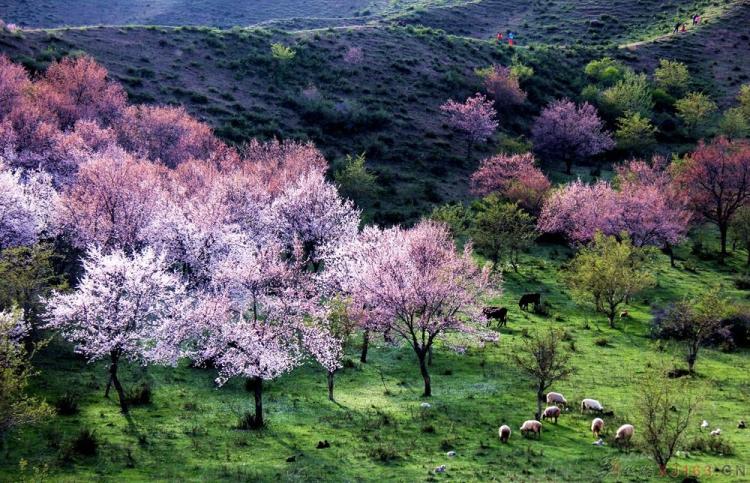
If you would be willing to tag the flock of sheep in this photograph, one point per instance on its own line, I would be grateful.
(556, 401)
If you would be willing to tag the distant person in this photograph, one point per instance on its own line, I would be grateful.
(499, 36)
(676, 27)
(695, 19)
(684, 27)
(698, 19)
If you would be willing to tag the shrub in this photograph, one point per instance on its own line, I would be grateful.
(631, 94)
(247, 421)
(672, 76)
(67, 405)
(711, 444)
(85, 443)
(384, 452)
(694, 110)
(635, 133)
(602, 342)
(139, 395)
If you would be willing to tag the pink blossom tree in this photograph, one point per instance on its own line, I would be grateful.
(716, 177)
(14, 86)
(312, 212)
(78, 89)
(573, 132)
(412, 283)
(579, 211)
(165, 134)
(27, 204)
(475, 118)
(120, 310)
(272, 325)
(654, 210)
(111, 202)
(514, 177)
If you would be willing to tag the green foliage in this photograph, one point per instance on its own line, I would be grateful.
(282, 53)
(456, 216)
(631, 94)
(695, 110)
(17, 408)
(520, 71)
(502, 230)
(591, 94)
(606, 71)
(740, 228)
(355, 181)
(743, 97)
(672, 76)
(635, 133)
(734, 124)
(27, 276)
(608, 273)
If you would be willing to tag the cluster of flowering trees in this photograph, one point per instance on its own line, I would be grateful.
(644, 202)
(515, 177)
(234, 258)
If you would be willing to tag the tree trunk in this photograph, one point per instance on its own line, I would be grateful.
(116, 382)
(330, 385)
(568, 166)
(429, 356)
(365, 346)
(421, 355)
(670, 251)
(539, 401)
(691, 358)
(723, 228)
(611, 316)
(109, 385)
(257, 384)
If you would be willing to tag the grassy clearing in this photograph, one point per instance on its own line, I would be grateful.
(378, 430)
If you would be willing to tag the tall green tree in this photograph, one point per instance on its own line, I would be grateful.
(608, 273)
(502, 231)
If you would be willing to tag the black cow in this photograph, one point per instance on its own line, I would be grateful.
(497, 313)
(529, 298)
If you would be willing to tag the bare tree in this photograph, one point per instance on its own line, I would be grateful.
(543, 359)
(665, 409)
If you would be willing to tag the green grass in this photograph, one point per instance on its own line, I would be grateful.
(377, 428)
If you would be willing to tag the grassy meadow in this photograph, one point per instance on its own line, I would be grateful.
(377, 428)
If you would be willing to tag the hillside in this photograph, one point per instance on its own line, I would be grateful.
(387, 107)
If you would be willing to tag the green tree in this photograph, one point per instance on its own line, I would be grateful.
(17, 408)
(733, 124)
(502, 230)
(27, 276)
(672, 76)
(341, 327)
(283, 56)
(608, 273)
(606, 71)
(355, 181)
(695, 110)
(665, 409)
(743, 97)
(455, 215)
(635, 133)
(631, 94)
(696, 320)
(740, 228)
(543, 359)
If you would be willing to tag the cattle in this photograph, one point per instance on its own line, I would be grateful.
(497, 313)
(529, 299)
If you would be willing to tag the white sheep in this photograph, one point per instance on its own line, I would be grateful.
(704, 425)
(596, 426)
(591, 405)
(532, 426)
(556, 398)
(504, 433)
(624, 434)
(716, 432)
(552, 412)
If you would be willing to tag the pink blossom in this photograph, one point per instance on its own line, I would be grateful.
(515, 177)
(475, 118)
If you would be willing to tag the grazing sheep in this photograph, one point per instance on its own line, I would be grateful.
(556, 398)
(742, 424)
(591, 405)
(624, 434)
(552, 412)
(716, 432)
(532, 426)
(504, 433)
(704, 425)
(596, 426)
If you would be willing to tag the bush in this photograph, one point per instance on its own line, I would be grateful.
(602, 342)
(247, 421)
(67, 405)
(384, 452)
(85, 443)
(711, 445)
(139, 395)
(544, 309)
